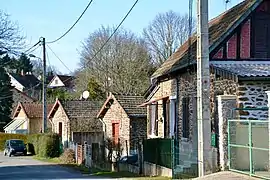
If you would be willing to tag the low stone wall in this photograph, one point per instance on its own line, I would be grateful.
(130, 168)
(151, 169)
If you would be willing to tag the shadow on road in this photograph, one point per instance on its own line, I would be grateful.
(45, 171)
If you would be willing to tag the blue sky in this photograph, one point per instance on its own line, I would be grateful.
(51, 18)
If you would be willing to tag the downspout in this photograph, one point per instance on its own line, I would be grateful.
(177, 109)
(104, 127)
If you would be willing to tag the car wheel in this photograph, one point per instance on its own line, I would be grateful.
(9, 154)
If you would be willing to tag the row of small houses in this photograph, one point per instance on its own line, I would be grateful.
(119, 117)
(239, 78)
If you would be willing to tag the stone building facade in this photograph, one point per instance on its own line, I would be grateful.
(239, 65)
(124, 120)
(76, 121)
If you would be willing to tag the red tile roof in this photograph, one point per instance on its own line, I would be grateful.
(35, 110)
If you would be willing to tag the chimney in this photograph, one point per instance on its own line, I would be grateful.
(22, 73)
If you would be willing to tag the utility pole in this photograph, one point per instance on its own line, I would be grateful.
(44, 123)
(203, 90)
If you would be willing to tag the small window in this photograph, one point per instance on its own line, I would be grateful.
(153, 117)
(185, 119)
(56, 81)
(60, 128)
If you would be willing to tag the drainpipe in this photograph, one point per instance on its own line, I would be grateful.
(177, 108)
(104, 126)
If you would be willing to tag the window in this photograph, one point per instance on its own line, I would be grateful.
(153, 119)
(115, 132)
(185, 118)
(166, 116)
(60, 128)
(56, 81)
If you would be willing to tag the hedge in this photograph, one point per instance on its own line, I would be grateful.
(4, 137)
(44, 145)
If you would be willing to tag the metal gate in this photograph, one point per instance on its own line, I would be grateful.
(248, 146)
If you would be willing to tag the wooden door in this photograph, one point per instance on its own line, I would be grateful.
(115, 132)
(60, 128)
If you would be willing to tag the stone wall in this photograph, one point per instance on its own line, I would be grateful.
(117, 113)
(252, 95)
(166, 88)
(138, 128)
(60, 116)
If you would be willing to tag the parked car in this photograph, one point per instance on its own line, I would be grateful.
(131, 159)
(14, 147)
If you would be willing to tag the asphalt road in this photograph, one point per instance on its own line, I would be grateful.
(25, 167)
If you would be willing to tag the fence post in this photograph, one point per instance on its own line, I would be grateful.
(85, 153)
(172, 157)
(226, 103)
(76, 152)
(268, 94)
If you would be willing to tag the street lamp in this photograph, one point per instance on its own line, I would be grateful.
(44, 123)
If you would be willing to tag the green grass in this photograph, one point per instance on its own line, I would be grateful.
(98, 172)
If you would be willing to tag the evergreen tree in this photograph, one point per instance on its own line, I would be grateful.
(6, 98)
(24, 64)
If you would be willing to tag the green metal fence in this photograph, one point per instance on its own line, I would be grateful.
(248, 147)
(158, 151)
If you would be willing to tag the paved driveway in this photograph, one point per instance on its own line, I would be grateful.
(22, 168)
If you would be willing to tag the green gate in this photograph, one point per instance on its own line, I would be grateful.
(248, 145)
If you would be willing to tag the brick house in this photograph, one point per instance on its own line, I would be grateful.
(76, 121)
(27, 119)
(124, 120)
(27, 83)
(19, 96)
(239, 65)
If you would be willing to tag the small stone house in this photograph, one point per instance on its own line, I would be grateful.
(27, 119)
(124, 120)
(76, 121)
(239, 65)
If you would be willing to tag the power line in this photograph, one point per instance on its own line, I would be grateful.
(73, 24)
(58, 58)
(31, 47)
(115, 30)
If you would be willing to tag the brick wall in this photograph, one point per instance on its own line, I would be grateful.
(117, 113)
(231, 50)
(245, 40)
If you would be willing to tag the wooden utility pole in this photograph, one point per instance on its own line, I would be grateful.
(44, 123)
(203, 90)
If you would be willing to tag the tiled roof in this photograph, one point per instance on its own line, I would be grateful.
(245, 68)
(78, 108)
(27, 80)
(217, 28)
(130, 104)
(35, 110)
(67, 80)
(83, 115)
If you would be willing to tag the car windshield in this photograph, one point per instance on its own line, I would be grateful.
(16, 143)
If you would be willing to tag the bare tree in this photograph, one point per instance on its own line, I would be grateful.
(122, 66)
(10, 38)
(166, 33)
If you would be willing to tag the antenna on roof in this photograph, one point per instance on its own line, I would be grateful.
(226, 4)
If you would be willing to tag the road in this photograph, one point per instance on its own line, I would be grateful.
(25, 167)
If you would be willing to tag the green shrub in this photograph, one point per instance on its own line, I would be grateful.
(4, 137)
(45, 145)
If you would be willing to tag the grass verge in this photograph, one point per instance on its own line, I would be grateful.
(98, 172)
